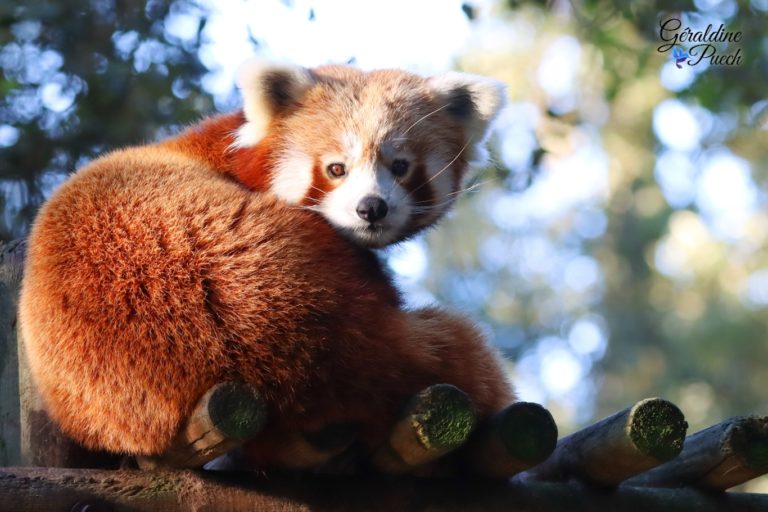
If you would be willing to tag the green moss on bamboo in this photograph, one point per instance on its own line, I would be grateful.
(237, 412)
(657, 428)
(442, 417)
(527, 431)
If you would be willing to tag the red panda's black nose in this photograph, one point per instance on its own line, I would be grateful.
(372, 208)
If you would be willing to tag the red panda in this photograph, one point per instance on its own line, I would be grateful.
(156, 272)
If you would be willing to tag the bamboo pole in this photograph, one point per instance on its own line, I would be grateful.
(50, 490)
(522, 435)
(618, 447)
(718, 458)
(225, 417)
(435, 422)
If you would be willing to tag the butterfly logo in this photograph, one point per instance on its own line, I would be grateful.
(679, 55)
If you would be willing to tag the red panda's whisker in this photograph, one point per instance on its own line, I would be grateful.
(470, 188)
(424, 117)
(232, 147)
(451, 195)
(313, 187)
(422, 207)
(391, 189)
(435, 206)
(431, 207)
(315, 200)
(312, 208)
(441, 171)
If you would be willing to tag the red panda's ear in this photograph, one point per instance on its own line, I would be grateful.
(474, 100)
(268, 88)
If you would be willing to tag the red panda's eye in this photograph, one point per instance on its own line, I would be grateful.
(336, 170)
(399, 167)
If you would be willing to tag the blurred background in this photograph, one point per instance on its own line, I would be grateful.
(614, 247)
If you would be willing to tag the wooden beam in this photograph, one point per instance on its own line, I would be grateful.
(718, 458)
(27, 434)
(11, 265)
(608, 452)
(25, 427)
(46, 490)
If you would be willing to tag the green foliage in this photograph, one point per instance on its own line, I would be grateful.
(81, 77)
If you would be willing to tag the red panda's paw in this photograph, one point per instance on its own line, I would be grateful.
(314, 449)
(435, 422)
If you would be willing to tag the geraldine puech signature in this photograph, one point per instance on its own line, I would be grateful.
(700, 44)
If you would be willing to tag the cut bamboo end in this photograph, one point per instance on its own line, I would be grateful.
(657, 428)
(623, 445)
(235, 410)
(435, 422)
(717, 458)
(748, 443)
(517, 438)
(226, 416)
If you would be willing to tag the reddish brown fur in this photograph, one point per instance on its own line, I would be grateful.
(253, 166)
(209, 141)
(320, 185)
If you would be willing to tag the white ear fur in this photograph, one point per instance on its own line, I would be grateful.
(475, 100)
(267, 88)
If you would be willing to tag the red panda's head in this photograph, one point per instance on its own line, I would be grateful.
(380, 154)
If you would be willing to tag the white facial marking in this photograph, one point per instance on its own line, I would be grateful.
(340, 206)
(250, 134)
(352, 146)
(292, 177)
